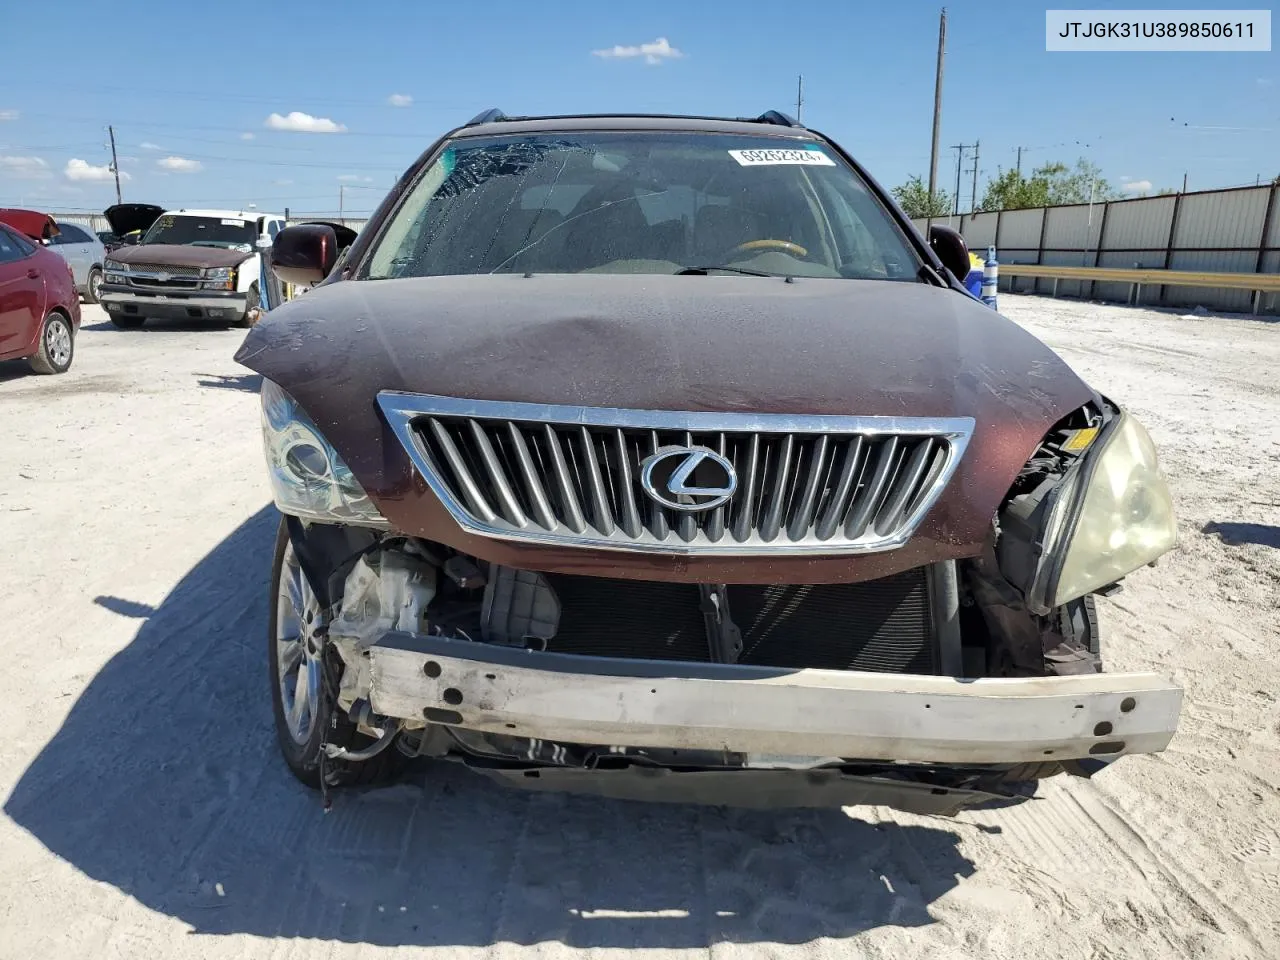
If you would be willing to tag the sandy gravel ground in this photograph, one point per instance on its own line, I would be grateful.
(146, 813)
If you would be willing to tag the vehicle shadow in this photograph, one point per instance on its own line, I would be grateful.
(15, 370)
(162, 326)
(248, 382)
(165, 783)
(1237, 533)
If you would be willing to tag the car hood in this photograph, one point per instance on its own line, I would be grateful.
(37, 226)
(693, 343)
(128, 217)
(179, 255)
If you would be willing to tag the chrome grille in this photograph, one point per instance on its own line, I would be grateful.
(559, 474)
(173, 271)
(175, 283)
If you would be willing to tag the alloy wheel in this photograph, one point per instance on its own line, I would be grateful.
(57, 338)
(297, 650)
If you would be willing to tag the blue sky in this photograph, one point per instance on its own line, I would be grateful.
(191, 89)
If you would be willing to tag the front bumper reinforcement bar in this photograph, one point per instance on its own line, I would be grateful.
(764, 710)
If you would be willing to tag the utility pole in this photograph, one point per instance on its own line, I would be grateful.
(115, 167)
(341, 187)
(973, 196)
(1020, 149)
(799, 95)
(1184, 183)
(955, 200)
(937, 106)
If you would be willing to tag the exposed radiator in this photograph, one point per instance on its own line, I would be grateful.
(881, 625)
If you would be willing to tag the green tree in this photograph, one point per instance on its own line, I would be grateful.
(1012, 191)
(1076, 185)
(913, 197)
(1049, 185)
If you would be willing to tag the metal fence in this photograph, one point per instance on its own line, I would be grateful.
(1225, 231)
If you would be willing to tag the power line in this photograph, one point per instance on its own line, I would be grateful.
(160, 125)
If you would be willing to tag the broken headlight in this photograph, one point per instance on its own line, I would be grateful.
(308, 478)
(1110, 515)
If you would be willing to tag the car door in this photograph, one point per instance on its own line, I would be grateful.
(21, 295)
(74, 245)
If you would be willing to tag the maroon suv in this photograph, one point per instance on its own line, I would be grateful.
(661, 457)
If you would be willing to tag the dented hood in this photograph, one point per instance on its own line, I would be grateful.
(695, 343)
(179, 255)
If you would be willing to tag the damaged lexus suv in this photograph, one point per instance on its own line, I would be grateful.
(663, 458)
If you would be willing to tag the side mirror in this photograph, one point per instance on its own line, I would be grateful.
(262, 243)
(304, 254)
(951, 249)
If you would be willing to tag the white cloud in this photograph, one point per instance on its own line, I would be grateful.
(180, 164)
(1262, 82)
(281, 183)
(83, 170)
(304, 123)
(1136, 186)
(25, 168)
(653, 53)
(148, 145)
(9, 114)
(246, 136)
(354, 178)
(400, 100)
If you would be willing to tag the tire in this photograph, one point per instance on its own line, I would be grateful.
(1079, 619)
(93, 286)
(127, 323)
(252, 310)
(300, 743)
(57, 345)
(1032, 771)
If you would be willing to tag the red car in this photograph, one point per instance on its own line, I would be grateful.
(39, 306)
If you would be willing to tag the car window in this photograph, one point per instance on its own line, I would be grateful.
(273, 227)
(12, 247)
(643, 202)
(70, 234)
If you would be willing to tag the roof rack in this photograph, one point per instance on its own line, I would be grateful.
(775, 117)
(779, 118)
(492, 115)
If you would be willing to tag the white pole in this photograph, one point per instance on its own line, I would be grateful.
(1088, 229)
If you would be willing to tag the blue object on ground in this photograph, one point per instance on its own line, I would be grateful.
(973, 282)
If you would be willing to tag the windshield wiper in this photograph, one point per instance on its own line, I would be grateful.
(703, 271)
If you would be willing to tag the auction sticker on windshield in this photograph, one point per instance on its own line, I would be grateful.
(769, 158)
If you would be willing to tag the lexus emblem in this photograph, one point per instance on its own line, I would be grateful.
(689, 479)
(164, 277)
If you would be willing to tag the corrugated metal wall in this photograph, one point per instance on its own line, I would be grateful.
(1219, 230)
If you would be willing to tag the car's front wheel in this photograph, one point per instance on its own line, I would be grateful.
(306, 717)
(253, 309)
(93, 289)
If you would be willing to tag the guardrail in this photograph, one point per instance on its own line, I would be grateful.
(1259, 283)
